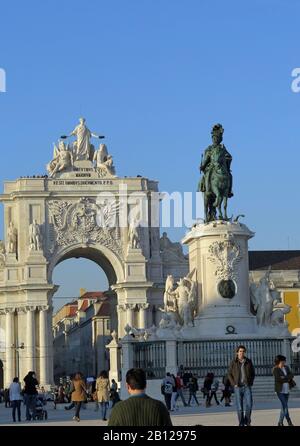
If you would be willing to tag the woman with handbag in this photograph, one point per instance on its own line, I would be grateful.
(283, 383)
(103, 392)
(78, 394)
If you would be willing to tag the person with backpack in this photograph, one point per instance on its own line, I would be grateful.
(193, 388)
(226, 391)
(174, 393)
(213, 390)
(179, 389)
(206, 389)
(167, 389)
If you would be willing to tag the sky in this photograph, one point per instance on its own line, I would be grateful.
(154, 76)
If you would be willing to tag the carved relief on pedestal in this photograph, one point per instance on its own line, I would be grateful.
(226, 254)
(2, 254)
(85, 221)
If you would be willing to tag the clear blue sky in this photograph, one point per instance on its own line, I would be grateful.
(153, 76)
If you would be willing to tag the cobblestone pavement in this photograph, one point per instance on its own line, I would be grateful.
(264, 414)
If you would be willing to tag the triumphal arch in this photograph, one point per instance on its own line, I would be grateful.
(81, 208)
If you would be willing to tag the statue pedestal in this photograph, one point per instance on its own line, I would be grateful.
(218, 251)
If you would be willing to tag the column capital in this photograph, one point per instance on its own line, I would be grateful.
(9, 310)
(121, 307)
(21, 309)
(30, 308)
(130, 306)
(144, 306)
(43, 307)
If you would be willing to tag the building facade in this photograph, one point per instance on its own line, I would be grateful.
(81, 331)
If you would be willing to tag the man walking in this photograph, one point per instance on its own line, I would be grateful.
(168, 385)
(139, 409)
(241, 375)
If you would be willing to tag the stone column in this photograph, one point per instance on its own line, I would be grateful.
(127, 362)
(171, 357)
(50, 346)
(20, 352)
(143, 315)
(121, 323)
(43, 315)
(129, 314)
(115, 360)
(30, 338)
(9, 344)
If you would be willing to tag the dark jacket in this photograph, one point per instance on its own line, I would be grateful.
(280, 378)
(234, 372)
(30, 385)
(140, 411)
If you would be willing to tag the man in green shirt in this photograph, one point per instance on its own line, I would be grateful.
(139, 409)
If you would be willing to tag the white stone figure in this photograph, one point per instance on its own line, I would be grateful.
(35, 236)
(279, 311)
(62, 159)
(133, 234)
(262, 298)
(182, 294)
(104, 162)
(168, 291)
(82, 148)
(168, 319)
(2, 254)
(12, 238)
(270, 311)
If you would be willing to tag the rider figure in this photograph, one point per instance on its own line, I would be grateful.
(211, 156)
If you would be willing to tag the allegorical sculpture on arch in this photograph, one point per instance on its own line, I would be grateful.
(66, 156)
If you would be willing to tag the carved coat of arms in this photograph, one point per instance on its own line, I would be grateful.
(226, 254)
(85, 221)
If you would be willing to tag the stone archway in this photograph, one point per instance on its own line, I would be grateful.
(79, 340)
(48, 220)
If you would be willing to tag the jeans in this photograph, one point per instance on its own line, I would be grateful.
(77, 408)
(16, 406)
(284, 413)
(213, 395)
(30, 402)
(193, 395)
(168, 397)
(243, 399)
(180, 394)
(104, 407)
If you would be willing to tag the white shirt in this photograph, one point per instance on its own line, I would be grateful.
(285, 386)
(15, 392)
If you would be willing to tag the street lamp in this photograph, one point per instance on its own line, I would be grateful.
(17, 348)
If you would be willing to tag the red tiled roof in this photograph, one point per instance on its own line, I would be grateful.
(104, 309)
(72, 310)
(92, 295)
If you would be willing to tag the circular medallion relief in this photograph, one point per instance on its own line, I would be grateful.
(227, 288)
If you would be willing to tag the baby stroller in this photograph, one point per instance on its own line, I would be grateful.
(40, 412)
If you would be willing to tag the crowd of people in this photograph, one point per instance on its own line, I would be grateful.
(142, 410)
(238, 381)
(185, 387)
(76, 391)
